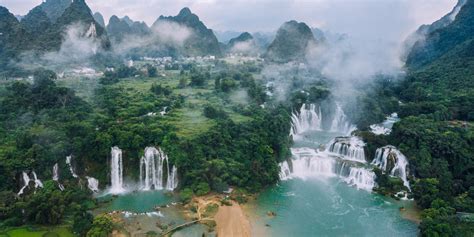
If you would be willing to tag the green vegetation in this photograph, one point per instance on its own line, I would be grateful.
(436, 132)
(214, 142)
(39, 232)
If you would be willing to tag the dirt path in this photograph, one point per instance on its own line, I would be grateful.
(232, 222)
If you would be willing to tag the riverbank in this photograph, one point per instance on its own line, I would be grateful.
(232, 222)
(227, 215)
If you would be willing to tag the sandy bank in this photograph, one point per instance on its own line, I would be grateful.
(232, 222)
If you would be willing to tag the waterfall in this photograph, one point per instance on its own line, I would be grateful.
(351, 148)
(116, 171)
(38, 183)
(27, 179)
(385, 127)
(361, 178)
(309, 118)
(152, 171)
(390, 160)
(71, 168)
(55, 172)
(56, 176)
(306, 119)
(172, 182)
(26, 182)
(309, 163)
(340, 122)
(92, 184)
(284, 170)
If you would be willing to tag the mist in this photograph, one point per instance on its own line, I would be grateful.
(79, 45)
(162, 34)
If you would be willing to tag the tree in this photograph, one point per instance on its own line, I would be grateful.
(152, 72)
(102, 226)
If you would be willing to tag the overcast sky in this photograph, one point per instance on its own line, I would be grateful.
(393, 19)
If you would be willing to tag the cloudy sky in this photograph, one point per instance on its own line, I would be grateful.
(392, 19)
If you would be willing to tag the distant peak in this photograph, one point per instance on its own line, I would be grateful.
(185, 11)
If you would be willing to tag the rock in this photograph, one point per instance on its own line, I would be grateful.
(271, 214)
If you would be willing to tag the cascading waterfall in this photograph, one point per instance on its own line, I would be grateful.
(340, 122)
(27, 180)
(172, 181)
(309, 163)
(309, 118)
(56, 172)
(351, 148)
(152, 171)
(284, 170)
(390, 160)
(71, 168)
(92, 184)
(305, 119)
(362, 178)
(116, 171)
(385, 128)
(56, 176)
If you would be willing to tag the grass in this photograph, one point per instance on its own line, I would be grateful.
(189, 119)
(61, 231)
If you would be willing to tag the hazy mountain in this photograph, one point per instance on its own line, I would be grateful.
(263, 39)
(244, 44)
(36, 22)
(13, 37)
(99, 19)
(424, 30)
(201, 40)
(318, 34)
(118, 28)
(55, 8)
(127, 20)
(225, 36)
(291, 42)
(443, 36)
(78, 11)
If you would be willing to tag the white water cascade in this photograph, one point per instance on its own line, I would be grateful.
(306, 119)
(56, 176)
(309, 118)
(71, 168)
(350, 148)
(390, 160)
(152, 171)
(116, 171)
(172, 181)
(361, 178)
(340, 122)
(310, 163)
(26, 181)
(92, 184)
(285, 170)
(385, 128)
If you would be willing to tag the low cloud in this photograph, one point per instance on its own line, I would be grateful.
(162, 34)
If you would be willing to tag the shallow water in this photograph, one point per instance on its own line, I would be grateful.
(326, 206)
(140, 201)
(144, 217)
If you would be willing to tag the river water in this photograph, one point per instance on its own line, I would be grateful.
(325, 205)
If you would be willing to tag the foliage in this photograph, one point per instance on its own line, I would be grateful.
(186, 195)
(102, 226)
